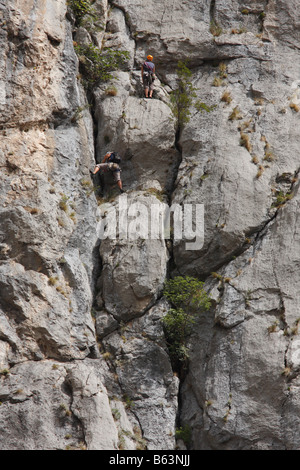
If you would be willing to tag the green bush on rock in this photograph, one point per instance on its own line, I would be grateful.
(183, 97)
(188, 299)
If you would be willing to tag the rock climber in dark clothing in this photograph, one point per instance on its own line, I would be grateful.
(148, 76)
(109, 164)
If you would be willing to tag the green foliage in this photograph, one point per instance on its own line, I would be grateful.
(215, 28)
(78, 112)
(188, 298)
(97, 65)
(184, 433)
(182, 98)
(282, 198)
(186, 292)
(81, 8)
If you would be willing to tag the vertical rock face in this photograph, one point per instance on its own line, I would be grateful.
(83, 359)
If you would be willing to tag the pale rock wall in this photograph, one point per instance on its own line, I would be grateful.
(57, 391)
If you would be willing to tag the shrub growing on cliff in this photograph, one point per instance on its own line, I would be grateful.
(184, 433)
(182, 98)
(188, 298)
(81, 8)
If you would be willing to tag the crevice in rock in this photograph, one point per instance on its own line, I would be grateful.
(126, 16)
(122, 324)
(212, 10)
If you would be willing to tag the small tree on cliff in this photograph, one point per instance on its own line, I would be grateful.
(188, 299)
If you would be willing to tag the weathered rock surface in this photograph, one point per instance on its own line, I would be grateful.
(66, 405)
(254, 347)
(140, 130)
(44, 158)
(83, 359)
(50, 259)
